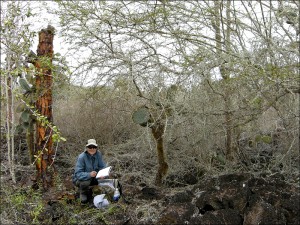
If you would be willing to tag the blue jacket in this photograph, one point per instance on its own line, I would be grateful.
(87, 163)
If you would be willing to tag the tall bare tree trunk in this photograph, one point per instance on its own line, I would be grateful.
(10, 119)
(225, 73)
(44, 145)
(10, 127)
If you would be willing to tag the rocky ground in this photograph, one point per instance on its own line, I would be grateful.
(239, 198)
(233, 198)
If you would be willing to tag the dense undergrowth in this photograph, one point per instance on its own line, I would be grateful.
(23, 203)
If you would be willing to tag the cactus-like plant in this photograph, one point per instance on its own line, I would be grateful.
(25, 116)
(142, 116)
(24, 84)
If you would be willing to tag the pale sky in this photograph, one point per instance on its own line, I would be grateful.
(44, 18)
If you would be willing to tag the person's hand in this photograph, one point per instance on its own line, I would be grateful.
(93, 174)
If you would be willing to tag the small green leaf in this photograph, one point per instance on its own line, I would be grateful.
(63, 139)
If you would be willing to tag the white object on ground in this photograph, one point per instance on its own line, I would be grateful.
(100, 201)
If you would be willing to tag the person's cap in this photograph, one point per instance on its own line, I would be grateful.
(91, 142)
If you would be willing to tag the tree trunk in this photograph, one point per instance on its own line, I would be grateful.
(10, 129)
(224, 71)
(158, 131)
(44, 146)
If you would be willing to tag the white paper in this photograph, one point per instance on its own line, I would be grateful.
(104, 172)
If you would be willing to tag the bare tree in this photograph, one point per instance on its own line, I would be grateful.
(233, 52)
(15, 42)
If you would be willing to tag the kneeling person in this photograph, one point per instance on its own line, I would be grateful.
(87, 166)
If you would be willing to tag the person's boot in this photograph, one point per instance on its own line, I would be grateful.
(83, 188)
(83, 198)
(90, 196)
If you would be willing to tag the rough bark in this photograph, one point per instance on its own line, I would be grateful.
(44, 145)
(158, 132)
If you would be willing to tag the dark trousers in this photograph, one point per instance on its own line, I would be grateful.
(83, 186)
